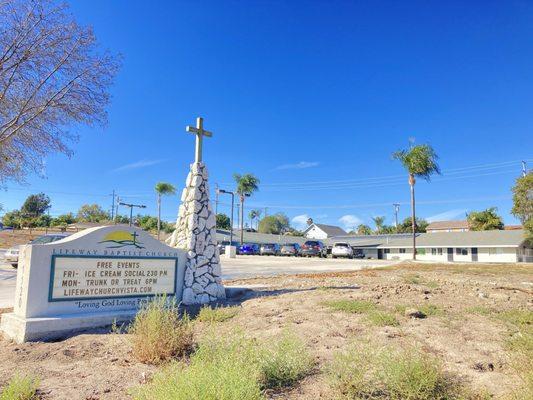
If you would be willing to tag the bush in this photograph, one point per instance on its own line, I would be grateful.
(351, 306)
(159, 334)
(220, 369)
(363, 372)
(20, 388)
(219, 314)
(285, 362)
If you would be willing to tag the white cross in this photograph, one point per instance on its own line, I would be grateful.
(200, 132)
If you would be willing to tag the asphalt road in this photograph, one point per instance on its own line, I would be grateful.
(236, 268)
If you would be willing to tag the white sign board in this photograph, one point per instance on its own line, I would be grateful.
(89, 279)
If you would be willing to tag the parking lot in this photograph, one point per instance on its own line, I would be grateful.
(236, 268)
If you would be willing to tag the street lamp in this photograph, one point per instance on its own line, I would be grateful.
(131, 208)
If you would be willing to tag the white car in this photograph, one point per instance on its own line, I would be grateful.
(342, 249)
(11, 256)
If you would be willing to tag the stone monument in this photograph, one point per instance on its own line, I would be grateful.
(196, 232)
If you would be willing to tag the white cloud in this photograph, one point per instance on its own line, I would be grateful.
(350, 221)
(137, 164)
(447, 215)
(300, 221)
(300, 165)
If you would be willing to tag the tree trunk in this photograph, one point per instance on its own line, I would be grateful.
(413, 217)
(158, 215)
(242, 219)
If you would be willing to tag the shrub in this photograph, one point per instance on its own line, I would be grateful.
(220, 369)
(285, 362)
(20, 388)
(382, 318)
(351, 306)
(159, 334)
(219, 314)
(363, 372)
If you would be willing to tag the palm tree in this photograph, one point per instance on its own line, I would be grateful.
(378, 221)
(246, 185)
(254, 214)
(420, 162)
(162, 189)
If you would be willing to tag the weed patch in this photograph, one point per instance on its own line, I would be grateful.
(219, 314)
(351, 306)
(382, 318)
(159, 334)
(363, 372)
(20, 388)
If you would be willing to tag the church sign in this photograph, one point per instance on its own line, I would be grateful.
(92, 278)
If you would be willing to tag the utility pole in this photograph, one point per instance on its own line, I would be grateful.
(396, 210)
(116, 212)
(113, 206)
(524, 168)
(232, 194)
(131, 206)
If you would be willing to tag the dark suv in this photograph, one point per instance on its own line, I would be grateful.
(313, 248)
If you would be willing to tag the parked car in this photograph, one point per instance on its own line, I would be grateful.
(341, 249)
(248, 249)
(11, 256)
(291, 249)
(269, 249)
(313, 248)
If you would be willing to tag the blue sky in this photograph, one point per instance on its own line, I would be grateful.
(312, 97)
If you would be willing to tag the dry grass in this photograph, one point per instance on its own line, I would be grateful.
(350, 306)
(159, 334)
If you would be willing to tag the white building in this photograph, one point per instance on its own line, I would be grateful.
(474, 246)
(321, 231)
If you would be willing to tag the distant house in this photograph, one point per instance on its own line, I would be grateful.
(321, 231)
(448, 226)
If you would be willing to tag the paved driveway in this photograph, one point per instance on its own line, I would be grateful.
(253, 266)
(236, 268)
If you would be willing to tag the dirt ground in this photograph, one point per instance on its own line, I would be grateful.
(99, 365)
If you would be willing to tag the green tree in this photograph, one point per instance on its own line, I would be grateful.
(148, 223)
(523, 203)
(35, 205)
(162, 189)
(12, 219)
(92, 213)
(379, 222)
(63, 220)
(275, 224)
(486, 220)
(223, 221)
(363, 229)
(246, 185)
(406, 225)
(419, 162)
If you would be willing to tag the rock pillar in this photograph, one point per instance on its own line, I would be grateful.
(196, 233)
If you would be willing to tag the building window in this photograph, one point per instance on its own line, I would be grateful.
(433, 251)
(461, 251)
(439, 251)
(386, 251)
(402, 251)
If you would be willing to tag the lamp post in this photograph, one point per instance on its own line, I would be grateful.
(131, 209)
(231, 220)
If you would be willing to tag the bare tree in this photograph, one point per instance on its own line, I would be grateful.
(52, 77)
